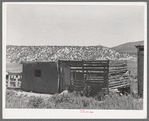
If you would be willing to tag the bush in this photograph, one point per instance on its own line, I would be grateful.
(74, 101)
(101, 94)
(35, 102)
(86, 91)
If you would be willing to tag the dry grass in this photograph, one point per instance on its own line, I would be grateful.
(72, 101)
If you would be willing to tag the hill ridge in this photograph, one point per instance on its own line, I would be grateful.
(54, 53)
(128, 47)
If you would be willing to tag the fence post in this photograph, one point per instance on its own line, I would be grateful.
(16, 82)
(8, 80)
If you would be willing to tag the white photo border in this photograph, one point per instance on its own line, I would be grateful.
(76, 113)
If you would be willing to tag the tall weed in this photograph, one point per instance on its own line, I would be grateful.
(74, 101)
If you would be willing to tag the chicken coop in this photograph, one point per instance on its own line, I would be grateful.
(140, 60)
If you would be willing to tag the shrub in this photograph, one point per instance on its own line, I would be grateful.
(86, 91)
(35, 102)
(101, 94)
(74, 101)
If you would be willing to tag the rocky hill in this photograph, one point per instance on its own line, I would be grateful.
(128, 48)
(54, 53)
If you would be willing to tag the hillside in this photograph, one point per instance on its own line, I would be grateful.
(53, 53)
(128, 47)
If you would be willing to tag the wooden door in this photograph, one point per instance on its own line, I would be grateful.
(64, 75)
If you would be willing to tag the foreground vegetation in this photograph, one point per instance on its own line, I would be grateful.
(72, 101)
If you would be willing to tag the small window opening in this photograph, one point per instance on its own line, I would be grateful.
(37, 73)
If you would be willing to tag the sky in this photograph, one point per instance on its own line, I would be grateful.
(77, 25)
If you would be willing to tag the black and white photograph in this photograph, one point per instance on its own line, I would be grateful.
(74, 60)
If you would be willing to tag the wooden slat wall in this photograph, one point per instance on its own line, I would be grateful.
(117, 74)
(90, 73)
(110, 74)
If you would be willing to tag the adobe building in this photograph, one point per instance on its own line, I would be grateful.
(140, 61)
(41, 77)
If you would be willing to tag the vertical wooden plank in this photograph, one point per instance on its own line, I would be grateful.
(16, 82)
(20, 81)
(13, 78)
(59, 76)
(84, 81)
(104, 77)
(70, 74)
(108, 62)
(61, 73)
(142, 74)
(8, 80)
(138, 71)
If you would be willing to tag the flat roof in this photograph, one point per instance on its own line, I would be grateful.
(25, 62)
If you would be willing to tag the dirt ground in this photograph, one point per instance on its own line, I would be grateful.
(29, 94)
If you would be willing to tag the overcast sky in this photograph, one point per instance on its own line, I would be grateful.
(74, 24)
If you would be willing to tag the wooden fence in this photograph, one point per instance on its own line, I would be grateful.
(14, 80)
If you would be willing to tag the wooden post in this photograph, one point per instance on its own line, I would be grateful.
(16, 82)
(105, 81)
(140, 70)
(108, 75)
(8, 80)
(84, 80)
(59, 76)
(70, 75)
